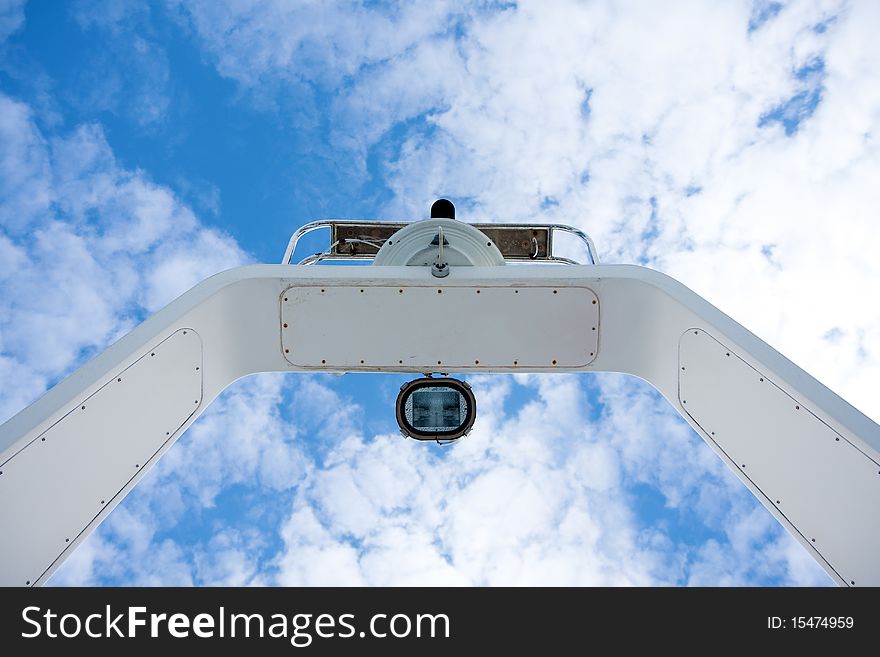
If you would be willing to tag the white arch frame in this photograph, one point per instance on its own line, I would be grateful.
(68, 459)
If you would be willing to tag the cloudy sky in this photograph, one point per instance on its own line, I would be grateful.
(733, 145)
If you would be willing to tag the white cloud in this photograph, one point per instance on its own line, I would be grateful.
(24, 166)
(242, 440)
(90, 246)
(11, 17)
(126, 71)
(315, 41)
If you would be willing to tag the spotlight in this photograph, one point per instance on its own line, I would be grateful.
(442, 409)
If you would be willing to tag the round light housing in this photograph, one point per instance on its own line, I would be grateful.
(441, 409)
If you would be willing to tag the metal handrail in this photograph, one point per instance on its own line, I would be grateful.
(327, 255)
(586, 239)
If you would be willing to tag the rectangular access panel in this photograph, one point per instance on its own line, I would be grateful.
(822, 483)
(439, 329)
(50, 496)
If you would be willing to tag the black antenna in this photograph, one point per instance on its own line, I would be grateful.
(442, 209)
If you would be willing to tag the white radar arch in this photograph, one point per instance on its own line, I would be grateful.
(70, 457)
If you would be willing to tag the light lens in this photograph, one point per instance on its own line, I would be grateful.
(433, 409)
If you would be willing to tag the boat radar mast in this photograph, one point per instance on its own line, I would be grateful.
(440, 296)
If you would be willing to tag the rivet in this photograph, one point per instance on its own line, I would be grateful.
(438, 362)
(516, 362)
(43, 439)
(323, 362)
(197, 401)
(285, 298)
(682, 369)
(778, 502)
(286, 351)
(285, 324)
(554, 291)
(837, 440)
(362, 361)
(591, 353)
(197, 369)
(83, 407)
(594, 302)
(478, 291)
(554, 362)
(401, 291)
(153, 354)
(67, 540)
(813, 539)
(439, 291)
(797, 408)
(476, 362)
(119, 379)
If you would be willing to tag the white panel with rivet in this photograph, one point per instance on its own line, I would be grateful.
(46, 502)
(443, 328)
(826, 487)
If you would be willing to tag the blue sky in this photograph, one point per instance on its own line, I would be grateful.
(144, 146)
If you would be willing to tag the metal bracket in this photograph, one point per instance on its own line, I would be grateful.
(361, 240)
